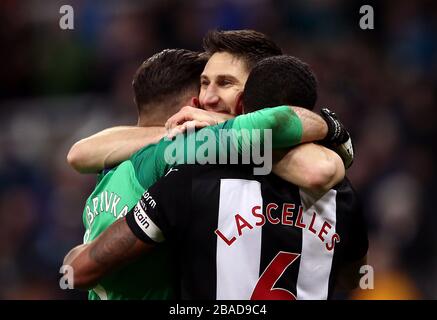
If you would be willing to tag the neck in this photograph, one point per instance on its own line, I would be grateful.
(151, 122)
(149, 118)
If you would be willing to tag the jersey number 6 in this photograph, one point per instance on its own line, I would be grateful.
(264, 288)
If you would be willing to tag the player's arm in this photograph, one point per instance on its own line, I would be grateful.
(316, 168)
(129, 238)
(115, 247)
(312, 167)
(289, 125)
(191, 117)
(314, 127)
(336, 137)
(111, 146)
(294, 125)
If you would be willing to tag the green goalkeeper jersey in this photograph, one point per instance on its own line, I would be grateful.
(119, 190)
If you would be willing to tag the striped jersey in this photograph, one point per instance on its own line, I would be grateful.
(240, 236)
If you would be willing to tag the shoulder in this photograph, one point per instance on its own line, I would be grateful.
(142, 153)
(143, 157)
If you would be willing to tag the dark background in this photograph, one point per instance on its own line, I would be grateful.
(58, 86)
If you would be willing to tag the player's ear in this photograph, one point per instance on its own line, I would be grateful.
(239, 108)
(195, 102)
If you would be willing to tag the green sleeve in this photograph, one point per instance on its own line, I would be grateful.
(283, 121)
(154, 161)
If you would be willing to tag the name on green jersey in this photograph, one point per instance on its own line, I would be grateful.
(105, 204)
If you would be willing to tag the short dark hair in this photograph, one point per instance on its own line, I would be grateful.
(249, 45)
(166, 75)
(280, 80)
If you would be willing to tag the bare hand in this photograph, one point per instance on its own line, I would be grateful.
(195, 117)
(186, 126)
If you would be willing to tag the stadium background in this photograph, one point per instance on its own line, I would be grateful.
(59, 86)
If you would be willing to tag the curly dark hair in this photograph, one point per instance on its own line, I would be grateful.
(280, 80)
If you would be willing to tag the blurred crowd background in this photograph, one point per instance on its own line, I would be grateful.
(58, 86)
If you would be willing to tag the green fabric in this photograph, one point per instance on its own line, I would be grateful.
(283, 121)
(152, 162)
(149, 277)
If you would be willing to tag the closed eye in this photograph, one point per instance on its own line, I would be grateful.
(225, 82)
(204, 82)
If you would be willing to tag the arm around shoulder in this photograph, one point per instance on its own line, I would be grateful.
(110, 147)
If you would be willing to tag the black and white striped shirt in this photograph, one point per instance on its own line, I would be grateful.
(239, 236)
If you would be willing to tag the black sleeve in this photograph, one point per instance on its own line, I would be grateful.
(156, 216)
(357, 242)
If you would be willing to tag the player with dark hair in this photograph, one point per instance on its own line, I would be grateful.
(222, 84)
(162, 85)
(258, 231)
(298, 85)
(232, 55)
(114, 145)
(299, 88)
(169, 76)
(122, 186)
(150, 174)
